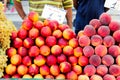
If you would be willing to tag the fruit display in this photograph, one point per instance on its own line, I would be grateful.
(6, 28)
(49, 50)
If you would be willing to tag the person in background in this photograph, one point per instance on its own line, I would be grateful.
(87, 10)
(8, 5)
(38, 5)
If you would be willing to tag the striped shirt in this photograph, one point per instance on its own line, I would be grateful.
(38, 5)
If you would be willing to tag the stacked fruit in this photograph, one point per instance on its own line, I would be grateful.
(6, 28)
(100, 41)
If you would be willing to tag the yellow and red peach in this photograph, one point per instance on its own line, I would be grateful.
(39, 60)
(103, 31)
(102, 70)
(39, 41)
(96, 77)
(28, 42)
(101, 50)
(33, 69)
(56, 50)
(27, 24)
(88, 51)
(95, 23)
(33, 51)
(11, 51)
(22, 69)
(77, 69)
(118, 60)
(16, 76)
(60, 76)
(96, 40)
(89, 30)
(78, 51)
(33, 33)
(53, 24)
(95, 60)
(71, 75)
(83, 61)
(10, 69)
(38, 76)
(83, 77)
(89, 70)
(54, 70)
(33, 16)
(27, 76)
(44, 70)
(73, 42)
(22, 51)
(46, 31)
(68, 50)
(57, 33)
(107, 60)
(44, 50)
(49, 77)
(38, 24)
(50, 41)
(62, 27)
(73, 60)
(27, 61)
(17, 42)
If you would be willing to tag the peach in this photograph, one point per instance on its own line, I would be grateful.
(51, 60)
(89, 30)
(105, 18)
(68, 34)
(22, 51)
(38, 24)
(73, 42)
(33, 33)
(88, 51)
(51, 77)
(46, 22)
(102, 70)
(107, 60)
(114, 50)
(61, 58)
(57, 33)
(39, 41)
(10, 69)
(46, 31)
(95, 23)
(103, 31)
(33, 51)
(95, 60)
(27, 24)
(62, 27)
(50, 41)
(84, 41)
(44, 70)
(27, 61)
(53, 24)
(44, 50)
(16, 76)
(11, 51)
(62, 42)
(39, 60)
(96, 40)
(54, 70)
(109, 77)
(68, 50)
(83, 77)
(38, 76)
(6, 76)
(89, 70)
(22, 69)
(27, 76)
(33, 16)
(78, 51)
(16, 59)
(83, 61)
(22, 33)
(108, 41)
(17, 42)
(13, 35)
(116, 35)
(28, 42)
(60, 76)
(77, 69)
(80, 33)
(65, 67)
(73, 60)
(114, 70)
(114, 25)
(33, 69)
(118, 78)
(96, 77)
(56, 50)
(101, 50)
(118, 60)
(72, 75)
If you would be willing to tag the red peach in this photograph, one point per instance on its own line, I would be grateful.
(102, 70)
(53, 24)
(33, 16)
(38, 24)
(72, 75)
(27, 61)
(33, 33)
(51, 77)
(16, 76)
(51, 60)
(22, 51)
(118, 78)
(44, 70)
(80, 33)
(17, 42)
(44, 50)
(51, 40)
(107, 60)
(114, 70)
(114, 25)
(10, 69)
(22, 33)
(95, 23)
(39, 60)
(33, 69)
(13, 35)
(89, 70)
(68, 34)
(83, 61)
(109, 77)
(11, 51)
(46, 31)
(27, 24)
(39, 41)
(73, 60)
(28, 42)
(65, 67)
(61, 58)
(56, 50)
(33, 51)
(116, 35)
(62, 42)
(88, 51)
(95, 60)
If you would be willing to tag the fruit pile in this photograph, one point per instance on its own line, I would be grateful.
(51, 50)
(6, 28)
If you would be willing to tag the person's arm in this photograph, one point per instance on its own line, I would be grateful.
(75, 3)
(19, 9)
(69, 17)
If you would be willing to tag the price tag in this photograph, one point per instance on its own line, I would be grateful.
(110, 3)
(53, 13)
(117, 6)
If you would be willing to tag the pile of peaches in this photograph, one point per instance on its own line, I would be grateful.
(47, 49)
